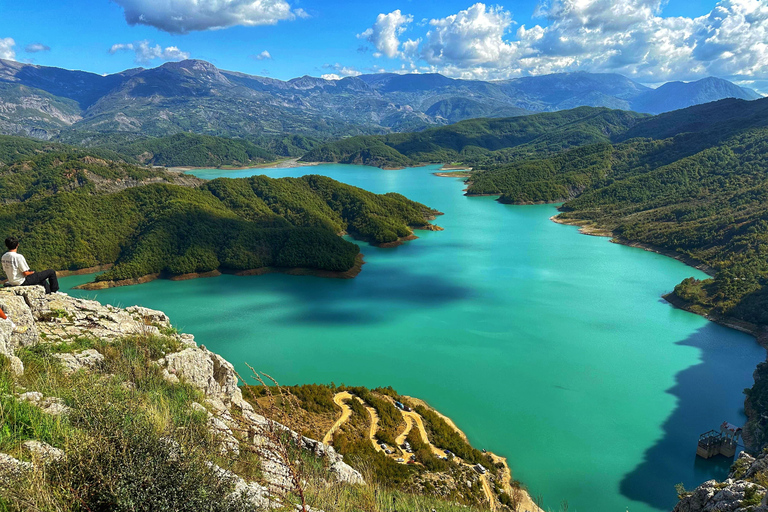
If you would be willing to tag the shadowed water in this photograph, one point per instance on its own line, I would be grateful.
(546, 346)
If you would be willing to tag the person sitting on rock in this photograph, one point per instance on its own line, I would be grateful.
(18, 273)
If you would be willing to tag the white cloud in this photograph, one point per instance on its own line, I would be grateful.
(36, 47)
(473, 37)
(146, 53)
(265, 55)
(631, 37)
(385, 32)
(6, 49)
(339, 71)
(182, 16)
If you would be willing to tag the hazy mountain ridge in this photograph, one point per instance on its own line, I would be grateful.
(196, 96)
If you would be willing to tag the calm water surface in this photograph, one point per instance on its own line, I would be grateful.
(546, 346)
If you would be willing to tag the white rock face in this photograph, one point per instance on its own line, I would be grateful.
(11, 468)
(86, 359)
(714, 496)
(207, 371)
(43, 452)
(17, 310)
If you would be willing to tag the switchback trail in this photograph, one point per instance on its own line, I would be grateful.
(346, 411)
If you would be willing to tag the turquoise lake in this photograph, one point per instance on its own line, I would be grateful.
(549, 347)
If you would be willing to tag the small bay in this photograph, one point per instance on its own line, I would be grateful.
(546, 346)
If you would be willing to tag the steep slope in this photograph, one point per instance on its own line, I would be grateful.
(482, 141)
(677, 95)
(34, 112)
(195, 96)
(694, 184)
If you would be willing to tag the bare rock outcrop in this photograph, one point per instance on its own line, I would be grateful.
(209, 372)
(738, 493)
(86, 359)
(54, 318)
(42, 452)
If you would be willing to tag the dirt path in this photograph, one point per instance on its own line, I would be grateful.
(488, 493)
(346, 412)
(374, 425)
(408, 427)
(526, 503)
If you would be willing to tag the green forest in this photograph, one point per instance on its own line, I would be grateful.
(482, 142)
(73, 210)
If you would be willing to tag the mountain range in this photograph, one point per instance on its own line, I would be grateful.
(196, 96)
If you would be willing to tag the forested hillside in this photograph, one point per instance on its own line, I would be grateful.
(693, 182)
(482, 142)
(74, 210)
(186, 149)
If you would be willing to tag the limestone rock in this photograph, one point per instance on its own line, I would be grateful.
(11, 469)
(187, 340)
(17, 310)
(207, 371)
(31, 396)
(343, 472)
(149, 315)
(43, 452)
(712, 496)
(17, 367)
(53, 406)
(251, 494)
(86, 359)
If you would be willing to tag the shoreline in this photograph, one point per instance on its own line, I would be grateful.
(288, 163)
(760, 334)
(292, 271)
(527, 503)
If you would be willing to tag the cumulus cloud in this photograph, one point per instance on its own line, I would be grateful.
(36, 47)
(340, 71)
(6, 48)
(183, 16)
(474, 37)
(265, 55)
(631, 37)
(145, 52)
(385, 33)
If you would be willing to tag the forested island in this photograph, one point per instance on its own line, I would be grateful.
(74, 209)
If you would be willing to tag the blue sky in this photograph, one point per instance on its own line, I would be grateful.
(649, 40)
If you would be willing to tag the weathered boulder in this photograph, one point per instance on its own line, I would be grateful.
(48, 404)
(86, 359)
(43, 452)
(12, 469)
(220, 430)
(151, 316)
(15, 307)
(251, 494)
(713, 496)
(207, 371)
(343, 472)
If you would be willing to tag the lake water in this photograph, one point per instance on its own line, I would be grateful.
(552, 348)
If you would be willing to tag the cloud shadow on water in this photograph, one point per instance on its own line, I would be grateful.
(707, 394)
(382, 295)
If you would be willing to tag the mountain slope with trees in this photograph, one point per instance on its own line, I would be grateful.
(74, 210)
(479, 142)
(195, 96)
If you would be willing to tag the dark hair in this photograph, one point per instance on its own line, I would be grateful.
(11, 243)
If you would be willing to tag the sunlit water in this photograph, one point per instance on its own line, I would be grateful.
(552, 348)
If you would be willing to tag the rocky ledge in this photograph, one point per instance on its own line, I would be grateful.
(53, 319)
(744, 490)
